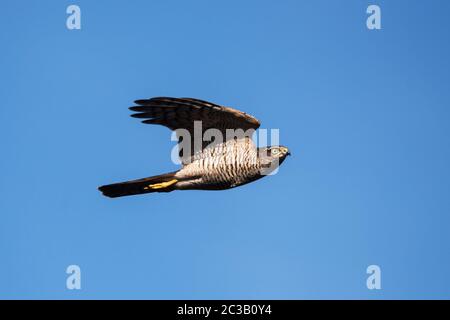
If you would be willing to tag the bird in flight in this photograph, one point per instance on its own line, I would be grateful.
(232, 159)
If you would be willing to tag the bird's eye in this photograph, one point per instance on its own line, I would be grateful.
(275, 151)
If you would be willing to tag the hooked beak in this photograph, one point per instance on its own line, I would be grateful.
(286, 151)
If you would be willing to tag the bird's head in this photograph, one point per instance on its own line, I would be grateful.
(271, 157)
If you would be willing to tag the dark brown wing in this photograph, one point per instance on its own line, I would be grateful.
(181, 113)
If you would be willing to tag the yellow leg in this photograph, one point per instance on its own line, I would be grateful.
(161, 185)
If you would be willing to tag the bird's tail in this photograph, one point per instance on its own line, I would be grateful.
(162, 183)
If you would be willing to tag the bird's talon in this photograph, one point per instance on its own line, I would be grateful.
(161, 185)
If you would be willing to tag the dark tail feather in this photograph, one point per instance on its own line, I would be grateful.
(141, 186)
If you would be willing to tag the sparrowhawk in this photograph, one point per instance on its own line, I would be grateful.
(207, 164)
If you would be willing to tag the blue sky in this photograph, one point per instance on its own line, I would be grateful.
(365, 114)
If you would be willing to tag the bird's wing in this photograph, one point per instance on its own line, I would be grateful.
(181, 113)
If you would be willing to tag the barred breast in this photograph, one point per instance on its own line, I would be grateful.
(224, 165)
